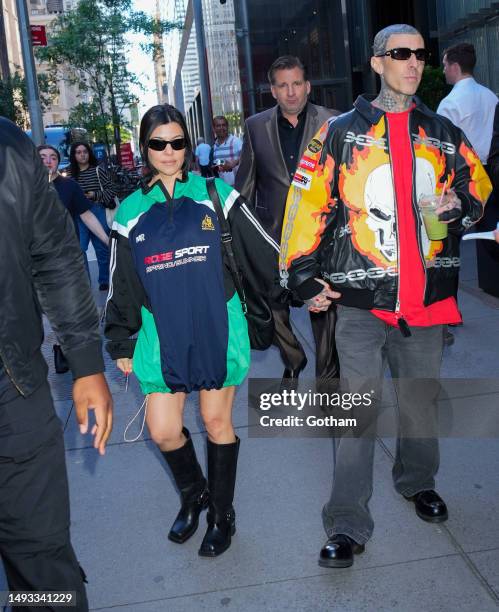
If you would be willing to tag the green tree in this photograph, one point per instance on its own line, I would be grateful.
(87, 48)
(99, 126)
(14, 100)
(433, 87)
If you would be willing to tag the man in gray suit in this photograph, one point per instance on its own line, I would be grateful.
(274, 142)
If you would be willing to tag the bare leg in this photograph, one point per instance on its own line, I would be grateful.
(164, 419)
(216, 412)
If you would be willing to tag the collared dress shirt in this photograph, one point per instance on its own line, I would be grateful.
(471, 107)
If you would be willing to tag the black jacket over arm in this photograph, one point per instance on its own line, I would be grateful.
(41, 271)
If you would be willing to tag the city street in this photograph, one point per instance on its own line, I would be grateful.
(123, 505)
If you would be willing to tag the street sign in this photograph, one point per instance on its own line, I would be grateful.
(127, 156)
(38, 36)
(99, 151)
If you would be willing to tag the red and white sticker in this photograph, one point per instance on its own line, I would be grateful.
(302, 180)
(308, 164)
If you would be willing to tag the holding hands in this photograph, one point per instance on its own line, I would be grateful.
(322, 301)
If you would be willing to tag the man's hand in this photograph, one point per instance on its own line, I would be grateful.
(450, 209)
(92, 392)
(322, 300)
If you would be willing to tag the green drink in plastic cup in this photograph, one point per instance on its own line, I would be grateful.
(435, 229)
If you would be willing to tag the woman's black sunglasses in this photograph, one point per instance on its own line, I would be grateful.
(404, 53)
(156, 144)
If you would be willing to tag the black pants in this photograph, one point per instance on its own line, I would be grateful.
(34, 504)
(291, 350)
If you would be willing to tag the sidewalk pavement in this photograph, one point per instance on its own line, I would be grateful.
(123, 505)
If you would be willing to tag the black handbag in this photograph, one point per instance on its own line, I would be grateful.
(255, 304)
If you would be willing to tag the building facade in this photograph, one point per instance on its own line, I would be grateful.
(332, 37)
(476, 22)
(159, 62)
(12, 60)
(44, 12)
(223, 64)
(182, 63)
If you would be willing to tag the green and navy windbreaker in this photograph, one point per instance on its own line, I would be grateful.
(170, 284)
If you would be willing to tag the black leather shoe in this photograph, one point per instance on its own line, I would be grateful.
(430, 506)
(290, 377)
(339, 550)
(187, 520)
(217, 538)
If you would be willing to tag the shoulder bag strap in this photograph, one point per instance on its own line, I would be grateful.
(98, 178)
(226, 241)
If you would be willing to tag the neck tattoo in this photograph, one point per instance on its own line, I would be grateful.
(392, 101)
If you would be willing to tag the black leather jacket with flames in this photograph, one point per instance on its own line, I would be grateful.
(341, 216)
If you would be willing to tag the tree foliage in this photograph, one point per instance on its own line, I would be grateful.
(432, 88)
(99, 126)
(87, 48)
(14, 99)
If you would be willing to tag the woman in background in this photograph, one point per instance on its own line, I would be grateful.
(98, 188)
(78, 206)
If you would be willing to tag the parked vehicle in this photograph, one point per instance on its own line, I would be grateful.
(61, 137)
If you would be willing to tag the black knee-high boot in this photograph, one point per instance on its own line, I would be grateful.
(222, 466)
(193, 489)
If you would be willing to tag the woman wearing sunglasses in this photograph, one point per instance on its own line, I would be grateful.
(170, 284)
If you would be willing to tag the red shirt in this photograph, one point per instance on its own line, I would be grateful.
(411, 275)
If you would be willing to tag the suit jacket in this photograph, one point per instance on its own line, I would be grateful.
(262, 177)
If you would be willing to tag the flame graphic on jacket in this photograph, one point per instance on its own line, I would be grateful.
(305, 208)
(479, 186)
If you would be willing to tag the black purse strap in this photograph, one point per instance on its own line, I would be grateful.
(226, 241)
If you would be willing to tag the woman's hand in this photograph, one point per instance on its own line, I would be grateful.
(125, 365)
(90, 195)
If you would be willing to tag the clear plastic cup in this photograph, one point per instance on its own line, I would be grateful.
(435, 229)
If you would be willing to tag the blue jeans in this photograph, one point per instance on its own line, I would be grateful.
(365, 345)
(101, 250)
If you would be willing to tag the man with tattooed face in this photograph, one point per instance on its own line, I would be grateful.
(353, 234)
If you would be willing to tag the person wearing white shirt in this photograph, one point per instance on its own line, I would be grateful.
(469, 105)
(226, 150)
(202, 154)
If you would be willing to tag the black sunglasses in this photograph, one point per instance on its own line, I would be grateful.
(404, 53)
(156, 144)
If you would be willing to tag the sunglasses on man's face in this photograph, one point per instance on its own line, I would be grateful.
(404, 53)
(156, 144)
